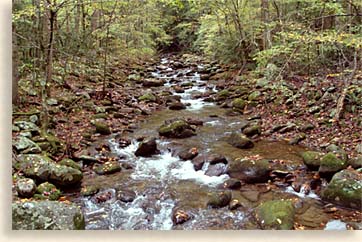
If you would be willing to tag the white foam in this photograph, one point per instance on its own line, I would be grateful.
(336, 225)
(213, 122)
(301, 194)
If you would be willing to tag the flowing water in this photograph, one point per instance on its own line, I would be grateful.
(163, 183)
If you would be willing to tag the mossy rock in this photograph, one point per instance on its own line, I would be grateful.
(345, 189)
(176, 129)
(134, 77)
(330, 163)
(276, 215)
(312, 159)
(148, 97)
(49, 191)
(89, 190)
(46, 215)
(355, 162)
(25, 187)
(238, 103)
(70, 163)
(252, 130)
(250, 171)
(254, 96)
(108, 167)
(25, 145)
(222, 95)
(100, 115)
(102, 128)
(240, 141)
(219, 199)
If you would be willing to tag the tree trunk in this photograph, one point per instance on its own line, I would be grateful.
(15, 72)
(265, 20)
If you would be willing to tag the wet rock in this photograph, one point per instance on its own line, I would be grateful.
(222, 95)
(126, 196)
(216, 170)
(219, 199)
(252, 196)
(216, 158)
(102, 128)
(25, 187)
(188, 154)
(238, 103)
(70, 163)
(179, 89)
(250, 170)
(254, 96)
(177, 106)
(355, 162)
(108, 167)
(194, 122)
(345, 189)
(180, 216)
(108, 195)
(89, 190)
(42, 168)
(297, 139)
(134, 77)
(198, 162)
(25, 145)
(147, 148)
(153, 82)
(232, 184)
(312, 159)
(240, 141)
(276, 214)
(48, 191)
(234, 204)
(148, 97)
(176, 129)
(252, 130)
(330, 163)
(46, 215)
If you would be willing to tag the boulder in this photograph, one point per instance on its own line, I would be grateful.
(25, 187)
(232, 184)
(25, 145)
(238, 103)
(219, 199)
(47, 190)
(216, 158)
(153, 82)
(46, 215)
(198, 162)
(345, 189)
(254, 96)
(126, 196)
(177, 106)
(355, 162)
(330, 163)
(147, 148)
(70, 163)
(89, 190)
(240, 141)
(312, 159)
(178, 128)
(102, 128)
(42, 168)
(254, 129)
(216, 169)
(109, 167)
(188, 154)
(250, 170)
(148, 97)
(276, 214)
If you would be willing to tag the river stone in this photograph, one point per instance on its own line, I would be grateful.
(249, 170)
(254, 96)
(153, 82)
(234, 204)
(46, 215)
(47, 190)
(232, 184)
(180, 216)
(345, 189)
(126, 196)
(330, 163)
(216, 169)
(312, 159)
(89, 190)
(25, 125)
(42, 168)
(188, 154)
(147, 148)
(198, 162)
(176, 129)
(148, 97)
(238, 103)
(219, 199)
(252, 130)
(177, 106)
(102, 128)
(25, 187)
(240, 141)
(70, 163)
(276, 214)
(339, 152)
(355, 162)
(109, 167)
(222, 95)
(25, 145)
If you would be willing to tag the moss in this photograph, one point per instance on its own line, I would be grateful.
(102, 128)
(174, 126)
(89, 190)
(100, 115)
(70, 163)
(223, 94)
(331, 163)
(108, 167)
(148, 97)
(49, 191)
(312, 158)
(219, 199)
(254, 96)
(238, 103)
(276, 214)
(250, 171)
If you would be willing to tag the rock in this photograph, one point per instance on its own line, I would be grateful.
(330, 163)
(252, 196)
(297, 139)
(234, 204)
(216, 158)
(314, 109)
(25, 187)
(134, 77)
(355, 162)
(194, 122)
(307, 127)
(250, 170)
(188, 154)
(108, 195)
(24, 125)
(254, 96)
(276, 214)
(46, 215)
(52, 102)
(102, 128)
(126, 196)
(222, 95)
(198, 162)
(216, 170)
(178, 128)
(25, 145)
(345, 189)
(339, 152)
(359, 148)
(232, 184)
(238, 103)
(147, 148)
(289, 127)
(312, 159)
(240, 141)
(42, 168)
(177, 106)
(89, 190)
(148, 97)
(34, 119)
(180, 216)
(70, 163)
(219, 199)
(153, 82)
(252, 130)
(47, 190)
(109, 167)
(179, 89)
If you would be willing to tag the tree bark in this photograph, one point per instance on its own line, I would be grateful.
(15, 72)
